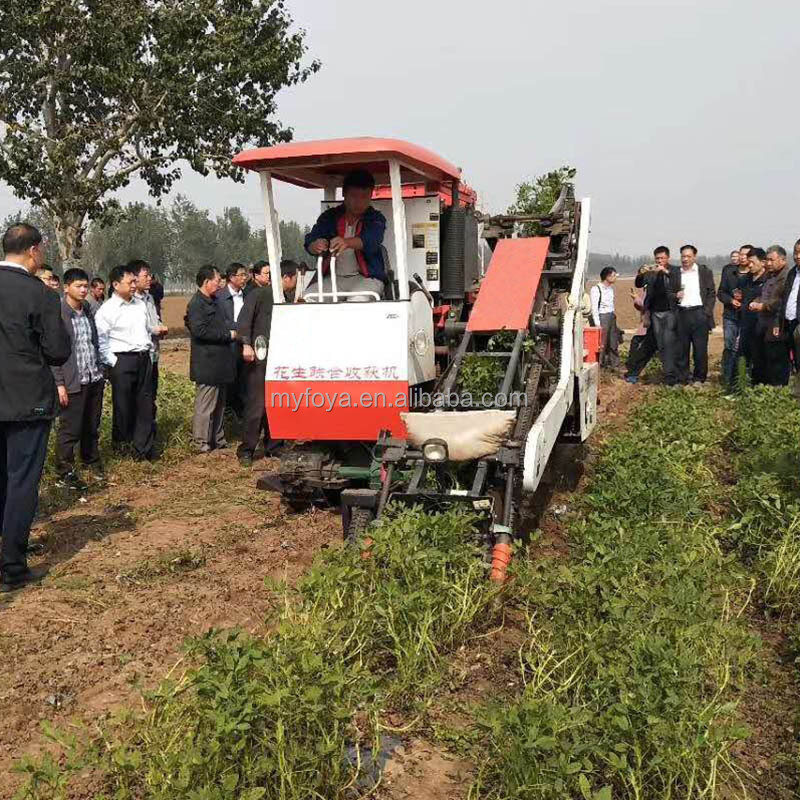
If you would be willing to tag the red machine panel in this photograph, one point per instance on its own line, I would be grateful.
(505, 299)
(335, 410)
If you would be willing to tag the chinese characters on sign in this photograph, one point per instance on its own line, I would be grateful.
(288, 373)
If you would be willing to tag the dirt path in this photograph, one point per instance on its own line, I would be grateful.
(133, 572)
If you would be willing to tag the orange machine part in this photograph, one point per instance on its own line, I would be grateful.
(501, 558)
(592, 340)
(506, 296)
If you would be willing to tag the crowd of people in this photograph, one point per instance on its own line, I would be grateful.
(62, 341)
(760, 296)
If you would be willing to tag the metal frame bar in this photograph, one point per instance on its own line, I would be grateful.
(452, 372)
(272, 233)
(513, 363)
(399, 219)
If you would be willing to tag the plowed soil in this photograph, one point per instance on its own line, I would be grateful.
(133, 572)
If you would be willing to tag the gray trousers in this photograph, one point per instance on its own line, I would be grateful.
(609, 350)
(207, 423)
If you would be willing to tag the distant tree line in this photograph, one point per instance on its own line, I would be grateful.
(175, 239)
(627, 266)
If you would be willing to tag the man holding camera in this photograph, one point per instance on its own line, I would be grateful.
(661, 282)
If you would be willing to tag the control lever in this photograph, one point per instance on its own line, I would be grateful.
(423, 287)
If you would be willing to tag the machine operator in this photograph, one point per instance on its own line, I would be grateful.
(353, 233)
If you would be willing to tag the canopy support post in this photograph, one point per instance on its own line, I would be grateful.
(272, 231)
(399, 217)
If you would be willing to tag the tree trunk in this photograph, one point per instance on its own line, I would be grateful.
(69, 236)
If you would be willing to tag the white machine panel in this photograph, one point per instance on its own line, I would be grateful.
(422, 232)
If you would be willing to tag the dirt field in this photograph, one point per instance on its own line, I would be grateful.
(133, 572)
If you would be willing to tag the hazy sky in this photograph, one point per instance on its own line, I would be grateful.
(680, 115)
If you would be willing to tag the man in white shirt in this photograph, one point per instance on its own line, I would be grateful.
(696, 301)
(126, 345)
(601, 296)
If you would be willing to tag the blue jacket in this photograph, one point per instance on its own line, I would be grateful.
(370, 230)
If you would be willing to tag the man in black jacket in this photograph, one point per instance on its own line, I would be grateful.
(32, 339)
(80, 384)
(734, 276)
(661, 284)
(230, 297)
(696, 299)
(254, 321)
(211, 364)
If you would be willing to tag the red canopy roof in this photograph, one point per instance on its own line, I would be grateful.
(315, 165)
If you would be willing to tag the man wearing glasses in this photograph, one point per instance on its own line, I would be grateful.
(32, 339)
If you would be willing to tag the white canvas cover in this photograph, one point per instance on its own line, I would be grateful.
(469, 434)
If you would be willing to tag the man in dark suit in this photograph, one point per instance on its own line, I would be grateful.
(211, 365)
(696, 299)
(32, 340)
(254, 321)
(231, 301)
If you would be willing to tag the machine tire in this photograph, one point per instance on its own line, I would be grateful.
(360, 519)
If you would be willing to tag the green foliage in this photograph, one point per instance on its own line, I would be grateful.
(537, 196)
(93, 94)
(764, 514)
(632, 650)
(175, 240)
(480, 375)
(295, 714)
(41, 220)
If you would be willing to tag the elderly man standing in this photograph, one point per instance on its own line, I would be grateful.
(771, 353)
(126, 345)
(211, 364)
(32, 340)
(696, 300)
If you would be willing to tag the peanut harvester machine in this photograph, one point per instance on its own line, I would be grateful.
(454, 384)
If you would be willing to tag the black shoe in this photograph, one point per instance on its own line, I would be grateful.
(246, 460)
(11, 583)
